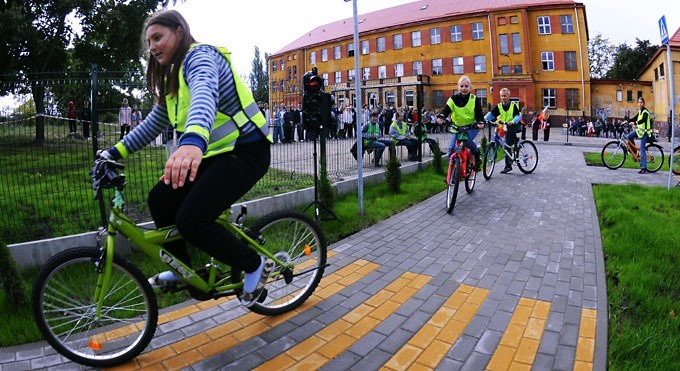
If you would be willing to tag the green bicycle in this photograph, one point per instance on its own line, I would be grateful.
(96, 308)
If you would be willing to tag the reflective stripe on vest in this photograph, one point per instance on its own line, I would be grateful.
(225, 130)
(462, 116)
(646, 126)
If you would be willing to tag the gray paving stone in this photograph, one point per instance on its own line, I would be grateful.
(368, 343)
(374, 360)
(344, 361)
(489, 341)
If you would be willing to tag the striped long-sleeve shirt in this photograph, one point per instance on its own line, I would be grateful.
(212, 87)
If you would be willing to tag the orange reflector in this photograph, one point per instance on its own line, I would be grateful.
(308, 250)
(95, 345)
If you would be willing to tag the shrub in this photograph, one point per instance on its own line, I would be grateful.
(10, 280)
(393, 172)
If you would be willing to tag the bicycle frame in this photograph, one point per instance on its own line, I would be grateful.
(500, 143)
(461, 151)
(151, 243)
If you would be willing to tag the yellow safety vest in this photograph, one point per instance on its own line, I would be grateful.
(462, 116)
(644, 127)
(225, 129)
(506, 116)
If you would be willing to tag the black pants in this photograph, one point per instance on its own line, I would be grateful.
(511, 140)
(124, 129)
(220, 182)
(86, 129)
(72, 126)
(534, 130)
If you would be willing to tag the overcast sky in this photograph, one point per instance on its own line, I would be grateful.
(271, 25)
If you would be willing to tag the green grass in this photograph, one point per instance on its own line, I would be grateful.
(595, 159)
(641, 244)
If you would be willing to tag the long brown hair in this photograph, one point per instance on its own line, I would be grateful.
(164, 80)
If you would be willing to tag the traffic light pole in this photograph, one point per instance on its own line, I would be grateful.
(316, 202)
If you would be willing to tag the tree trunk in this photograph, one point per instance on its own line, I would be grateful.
(39, 100)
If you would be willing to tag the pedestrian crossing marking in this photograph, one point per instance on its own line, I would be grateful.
(432, 342)
(519, 344)
(328, 343)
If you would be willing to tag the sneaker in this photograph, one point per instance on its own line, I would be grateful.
(163, 280)
(643, 171)
(506, 170)
(254, 282)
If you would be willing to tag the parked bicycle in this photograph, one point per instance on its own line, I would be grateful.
(96, 308)
(461, 166)
(675, 166)
(614, 154)
(524, 153)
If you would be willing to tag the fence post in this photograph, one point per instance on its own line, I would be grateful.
(95, 131)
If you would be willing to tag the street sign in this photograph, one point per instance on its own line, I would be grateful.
(663, 29)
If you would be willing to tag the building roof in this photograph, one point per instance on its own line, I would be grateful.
(416, 12)
(674, 42)
(675, 39)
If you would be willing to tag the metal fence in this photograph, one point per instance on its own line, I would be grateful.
(46, 158)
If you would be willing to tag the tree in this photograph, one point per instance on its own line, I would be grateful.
(629, 62)
(259, 78)
(600, 55)
(43, 36)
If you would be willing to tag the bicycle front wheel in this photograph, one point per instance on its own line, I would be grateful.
(675, 165)
(613, 155)
(65, 310)
(489, 160)
(654, 157)
(471, 176)
(452, 186)
(527, 157)
(292, 237)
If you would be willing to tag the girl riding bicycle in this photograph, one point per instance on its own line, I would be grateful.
(464, 109)
(643, 130)
(223, 148)
(508, 113)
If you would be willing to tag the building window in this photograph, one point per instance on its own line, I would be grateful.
(514, 19)
(456, 34)
(415, 38)
(619, 96)
(477, 31)
(544, 25)
(572, 98)
(324, 55)
(481, 95)
(365, 49)
(547, 61)
(399, 69)
(501, 21)
(480, 63)
(382, 72)
(417, 67)
(639, 95)
(337, 52)
(549, 98)
(437, 67)
(458, 65)
(503, 38)
(438, 98)
(350, 75)
(389, 98)
(505, 70)
(338, 77)
(366, 72)
(408, 97)
(629, 96)
(380, 42)
(282, 64)
(570, 61)
(274, 65)
(435, 36)
(396, 40)
(567, 23)
(325, 79)
(656, 74)
(517, 69)
(275, 87)
(350, 50)
(662, 72)
(516, 43)
(312, 57)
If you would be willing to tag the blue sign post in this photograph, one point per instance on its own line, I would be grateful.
(663, 29)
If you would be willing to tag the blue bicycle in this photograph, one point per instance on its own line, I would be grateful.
(524, 153)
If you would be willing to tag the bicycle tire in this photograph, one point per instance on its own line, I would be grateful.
(292, 237)
(613, 155)
(489, 160)
(471, 176)
(655, 157)
(527, 157)
(452, 187)
(675, 166)
(63, 296)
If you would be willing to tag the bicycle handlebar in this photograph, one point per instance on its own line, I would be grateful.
(104, 174)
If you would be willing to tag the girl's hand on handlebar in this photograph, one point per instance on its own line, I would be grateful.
(184, 160)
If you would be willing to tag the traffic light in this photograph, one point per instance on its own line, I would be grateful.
(316, 104)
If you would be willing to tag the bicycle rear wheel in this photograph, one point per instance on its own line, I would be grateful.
(489, 160)
(613, 155)
(293, 237)
(471, 176)
(675, 166)
(452, 186)
(654, 157)
(65, 311)
(527, 157)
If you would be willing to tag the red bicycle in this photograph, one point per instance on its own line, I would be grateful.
(461, 165)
